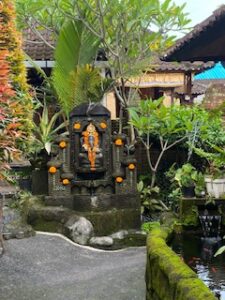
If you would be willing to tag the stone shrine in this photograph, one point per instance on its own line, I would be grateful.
(93, 170)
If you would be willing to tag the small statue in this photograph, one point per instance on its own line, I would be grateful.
(91, 144)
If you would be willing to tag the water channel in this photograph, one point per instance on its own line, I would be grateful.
(198, 253)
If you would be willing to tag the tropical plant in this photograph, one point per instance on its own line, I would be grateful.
(169, 126)
(150, 201)
(73, 79)
(215, 160)
(16, 103)
(45, 131)
(219, 251)
(174, 198)
(186, 176)
(211, 145)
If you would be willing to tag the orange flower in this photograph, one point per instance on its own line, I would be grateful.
(62, 144)
(52, 170)
(131, 166)
(103, 125)
(76, 126)
(119, 179)
(66, 181)
(118, 142)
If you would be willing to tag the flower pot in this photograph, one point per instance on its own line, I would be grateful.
(215, 187)
(188, 192)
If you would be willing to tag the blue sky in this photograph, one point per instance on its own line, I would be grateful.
(199, 10)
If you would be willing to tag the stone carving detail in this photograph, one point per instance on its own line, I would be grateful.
(90, 144)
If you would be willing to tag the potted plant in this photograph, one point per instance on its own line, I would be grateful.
(186, 178)
(214, 177)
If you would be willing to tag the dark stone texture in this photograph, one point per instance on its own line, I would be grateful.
(49, 213)
(110, 221)
(65, 201)
(14, 225)
(39, 182)
(105, 202)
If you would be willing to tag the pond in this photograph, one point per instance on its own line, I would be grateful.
(198, 254)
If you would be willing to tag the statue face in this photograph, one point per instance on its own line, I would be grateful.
(91, 128)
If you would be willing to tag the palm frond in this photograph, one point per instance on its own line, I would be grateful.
(76, 46)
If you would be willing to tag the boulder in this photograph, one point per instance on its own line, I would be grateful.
(119, 235)
(101, 241)
(80, 229)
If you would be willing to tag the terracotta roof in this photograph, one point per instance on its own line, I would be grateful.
(201, 41)
(38, 50)
(35, 47)
(197, 89)
(184, 66)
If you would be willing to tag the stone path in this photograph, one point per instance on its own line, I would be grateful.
(53, 268)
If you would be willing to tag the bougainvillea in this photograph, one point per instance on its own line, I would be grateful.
(15, 100)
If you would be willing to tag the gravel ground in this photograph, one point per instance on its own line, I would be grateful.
(53, 268)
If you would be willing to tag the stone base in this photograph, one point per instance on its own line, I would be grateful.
(53, 219)
(104, 202)
(65, 201)
(101, 202)
(111, 221)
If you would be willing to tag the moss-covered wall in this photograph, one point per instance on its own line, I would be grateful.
(167, 277)
(189, 212)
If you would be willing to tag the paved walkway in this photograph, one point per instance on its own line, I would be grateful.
(53, 268)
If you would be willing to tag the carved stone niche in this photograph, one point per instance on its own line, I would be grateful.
(90, 160)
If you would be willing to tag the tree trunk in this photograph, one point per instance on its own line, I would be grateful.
(153, 179)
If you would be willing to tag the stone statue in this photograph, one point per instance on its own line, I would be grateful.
(90, 143)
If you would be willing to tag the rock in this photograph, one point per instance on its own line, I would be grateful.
(136, 232)
(119, 235)
(14, 225)
(101, 241)
(80, 229)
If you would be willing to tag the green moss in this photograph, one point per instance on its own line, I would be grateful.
(48, 226)
(167, 277)
(193, 289)
(189, 216)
